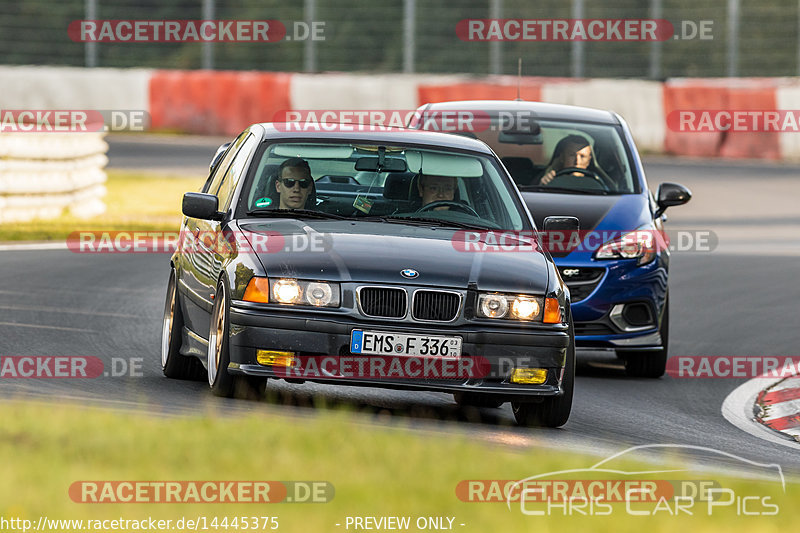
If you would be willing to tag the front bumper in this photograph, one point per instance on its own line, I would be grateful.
(598, 321)
(310, 335)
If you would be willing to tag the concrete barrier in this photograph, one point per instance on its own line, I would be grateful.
(360, 91)
(44, 174)
(29, 87)
(639, 102)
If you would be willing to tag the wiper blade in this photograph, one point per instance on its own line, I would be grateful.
(294, 213)
(545, 188)
(426, 221)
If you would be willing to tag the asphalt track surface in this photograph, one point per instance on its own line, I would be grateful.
(740, 299)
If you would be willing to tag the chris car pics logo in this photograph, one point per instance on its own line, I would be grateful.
(606, 488)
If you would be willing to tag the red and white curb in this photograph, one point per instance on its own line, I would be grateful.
(742, 409)
(779, 407)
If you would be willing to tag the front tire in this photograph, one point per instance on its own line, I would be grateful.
(219, 380)
(173, 364)
(553, 411)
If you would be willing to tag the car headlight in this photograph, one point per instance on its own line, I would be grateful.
(512, 306)
(287, 291)
(493, 305)
(639, 244)
(292, 292)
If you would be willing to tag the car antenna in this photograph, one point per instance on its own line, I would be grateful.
(519, 78)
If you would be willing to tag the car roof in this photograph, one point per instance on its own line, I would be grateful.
(540, 109)
(387, 135)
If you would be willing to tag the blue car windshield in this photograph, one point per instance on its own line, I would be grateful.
(383, 183)
(561, 156)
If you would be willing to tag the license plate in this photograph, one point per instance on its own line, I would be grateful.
(391, 343)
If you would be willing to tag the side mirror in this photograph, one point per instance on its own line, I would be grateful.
(218, 156)
(562, 224)
(201, 205)
(671, 194)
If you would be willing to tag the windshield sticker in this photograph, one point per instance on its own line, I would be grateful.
(263, 202)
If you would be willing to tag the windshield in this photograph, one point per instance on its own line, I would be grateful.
(402, 184)
(559, 156)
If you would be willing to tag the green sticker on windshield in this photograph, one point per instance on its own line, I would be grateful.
(363, 203)
(263, 202)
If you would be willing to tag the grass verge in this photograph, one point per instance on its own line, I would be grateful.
(375, 471)
(135, 202)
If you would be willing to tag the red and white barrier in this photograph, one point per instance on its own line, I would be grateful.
(224, 102)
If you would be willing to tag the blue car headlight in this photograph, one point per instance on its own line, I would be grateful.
(640, 244)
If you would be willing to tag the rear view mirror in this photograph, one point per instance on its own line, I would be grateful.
(201, 205)
(671, 194)
(372, 164)
(519, 128)
(516, 137)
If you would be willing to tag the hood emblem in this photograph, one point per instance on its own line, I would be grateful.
(409, 273)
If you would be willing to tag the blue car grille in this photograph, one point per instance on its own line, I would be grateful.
(581, 281)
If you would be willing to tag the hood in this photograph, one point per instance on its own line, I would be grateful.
(625, 212)
(376, 252)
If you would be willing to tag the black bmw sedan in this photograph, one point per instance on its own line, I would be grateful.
(379, 257)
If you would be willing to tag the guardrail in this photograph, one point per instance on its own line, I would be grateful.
(42, 175)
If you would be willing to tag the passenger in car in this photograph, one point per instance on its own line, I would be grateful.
(436, 189)
(294, 183)
(571, 151)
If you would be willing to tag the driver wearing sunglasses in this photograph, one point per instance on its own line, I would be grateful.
(294, 183)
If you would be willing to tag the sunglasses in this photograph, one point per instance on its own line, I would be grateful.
(289, 182)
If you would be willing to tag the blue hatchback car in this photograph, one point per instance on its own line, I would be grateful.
(583, 162)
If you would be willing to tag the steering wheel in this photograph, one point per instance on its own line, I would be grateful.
(586, 173)
(458, 206)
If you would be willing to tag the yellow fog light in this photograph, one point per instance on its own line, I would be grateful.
(529, 376)
(274, 358)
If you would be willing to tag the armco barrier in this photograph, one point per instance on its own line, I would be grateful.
(42, 174)
(215, 102)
